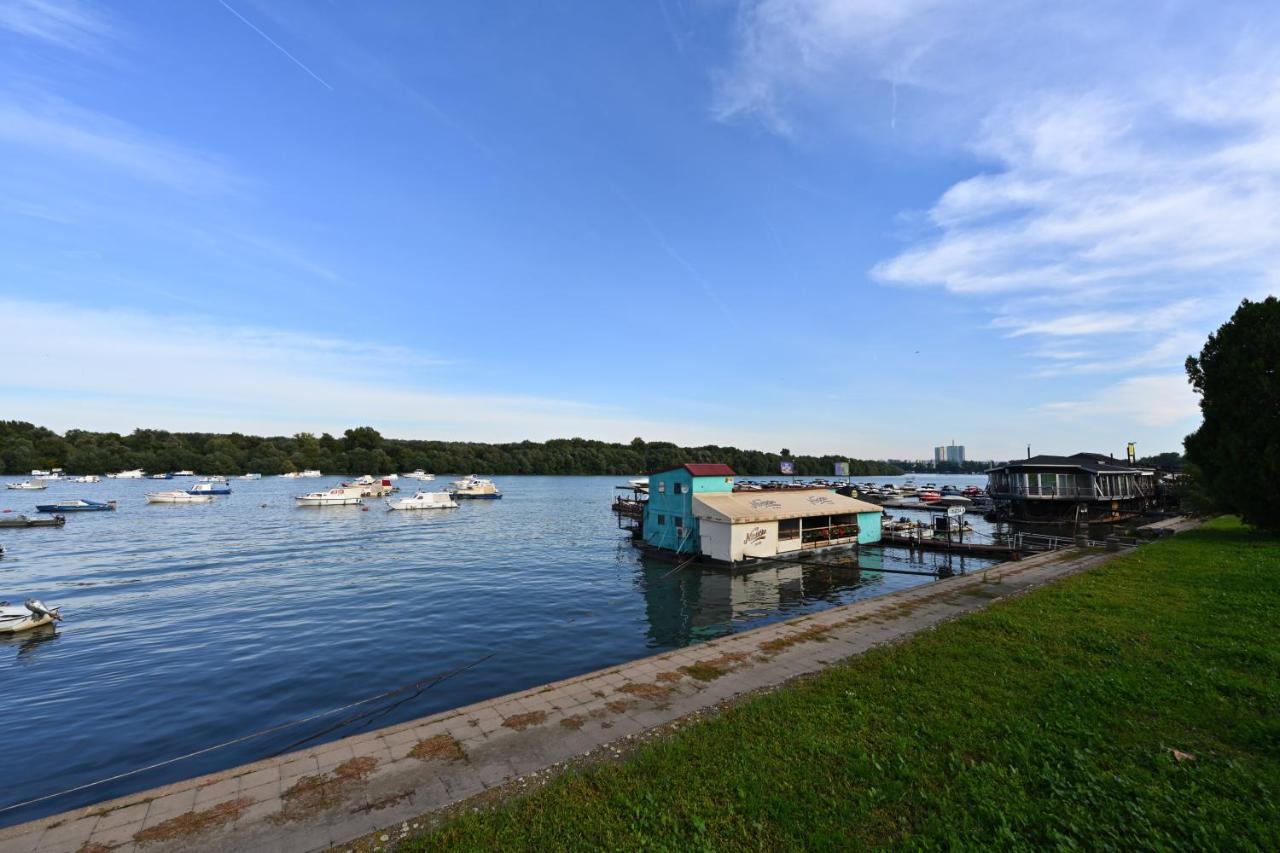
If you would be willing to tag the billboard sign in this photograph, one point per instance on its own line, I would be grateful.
(955, 511)
(787, 466)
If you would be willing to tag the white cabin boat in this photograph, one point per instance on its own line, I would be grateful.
(32, 614)
(177, 497)
(289, 475)
(472, 486)
(332, 497)
(28, 485)
(87, 478)
(424, 500)
(310, 472)
(250, 476)
(184, 473)
(135, 474)
(419, 475)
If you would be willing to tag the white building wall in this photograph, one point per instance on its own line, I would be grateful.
(757, 539)
(715, 539)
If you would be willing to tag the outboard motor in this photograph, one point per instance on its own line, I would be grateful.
(38, 608)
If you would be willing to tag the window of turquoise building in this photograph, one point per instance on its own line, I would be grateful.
(662, 519)
(677, 487)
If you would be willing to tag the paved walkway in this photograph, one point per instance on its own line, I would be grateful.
(338, 792)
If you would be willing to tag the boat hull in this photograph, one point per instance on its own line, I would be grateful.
(490, 497)
(329, 501)
(92, 507)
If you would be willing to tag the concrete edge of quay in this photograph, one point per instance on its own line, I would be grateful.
(337, 792)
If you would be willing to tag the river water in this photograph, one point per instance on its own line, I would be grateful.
(188, 626)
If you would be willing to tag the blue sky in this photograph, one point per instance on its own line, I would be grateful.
(858, 227)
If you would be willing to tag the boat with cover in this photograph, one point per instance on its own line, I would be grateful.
(176, 497)
(24, 521)
(472, 486)
(250, 476)
(87, 478)
(419, 474)
(424, 500)
(135, 474)
(332, 497)
(165, 476)
(77, 505)
(28, 485)
(211, 486)
(32, 614)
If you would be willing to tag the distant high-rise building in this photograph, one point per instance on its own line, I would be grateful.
(948, 453)
(939, 455)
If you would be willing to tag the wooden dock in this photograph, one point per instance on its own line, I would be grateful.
(977, 549)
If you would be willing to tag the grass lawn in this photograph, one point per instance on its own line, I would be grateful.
(1050, 720)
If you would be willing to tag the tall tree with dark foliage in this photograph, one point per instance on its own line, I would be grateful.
(1236, 451)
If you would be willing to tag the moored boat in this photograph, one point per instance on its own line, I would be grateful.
(310, 472)
(32, 614)
(424, 500)
(332, 497)
(472, 486)
(135, 474)
(177, 497)
(211, 486)
(28, 485)
(162, 476)
(250, 476)
(77, 505)
(24, 521)
(87, 478)
(419, 474)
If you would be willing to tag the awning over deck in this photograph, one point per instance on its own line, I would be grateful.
(748, 507)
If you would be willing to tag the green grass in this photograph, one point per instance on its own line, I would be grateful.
(1046, 721)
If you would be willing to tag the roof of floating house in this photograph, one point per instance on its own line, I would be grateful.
(1095, 463)
(747, 507)
(700, 469)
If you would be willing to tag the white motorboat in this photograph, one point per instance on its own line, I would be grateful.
(424, 500)
(135, 474)
(289, 475)
(332, 497)
(51, 474)
(32, 614)
(184, 473)
(28, 485)
(250, 476)
(472, 486)
(87, 478)
(177, 497)
(310, 472)
(419, 474)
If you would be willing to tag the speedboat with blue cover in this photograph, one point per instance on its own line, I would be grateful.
(211, 486)
(77, 506)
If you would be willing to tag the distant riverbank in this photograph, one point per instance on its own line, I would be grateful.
(25, 447)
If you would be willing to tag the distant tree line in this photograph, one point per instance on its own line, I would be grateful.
(363, 450)
(970, 466)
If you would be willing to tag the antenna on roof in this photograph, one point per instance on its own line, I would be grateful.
(1028, 451)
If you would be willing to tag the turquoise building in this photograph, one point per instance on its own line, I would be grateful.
(669, 522)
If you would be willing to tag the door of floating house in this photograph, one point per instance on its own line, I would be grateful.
(669, 522)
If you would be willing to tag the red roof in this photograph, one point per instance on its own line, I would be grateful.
(701, 469)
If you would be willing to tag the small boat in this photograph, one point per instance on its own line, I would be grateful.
(210, 486)
(971, 491)
(949, 490)
(250, 476)
(87, 478)
(289, 475)
(333, 497)
(177, 497)
(928, 496)
(472, 486)
(419, 474)
(159, 476)
(954, 500)
(77, 505)
(184, 473)
(32, 614)
(28, 485)
(424, 500)
(310, 472)
(135, 474)
(24, 521)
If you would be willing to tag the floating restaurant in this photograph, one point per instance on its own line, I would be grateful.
(1083, 486)
(694, 510)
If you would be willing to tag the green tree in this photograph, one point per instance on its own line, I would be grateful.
(1236, 451)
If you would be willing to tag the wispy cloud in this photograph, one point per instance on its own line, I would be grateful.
(138, 369)
(49, 125)
(1158, 400)
(67, 23)
(1127, 191)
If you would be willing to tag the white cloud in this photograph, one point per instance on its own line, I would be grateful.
(68, 367)
(1160, 400)
(49, 125)
(66, 23)
(1126, 192)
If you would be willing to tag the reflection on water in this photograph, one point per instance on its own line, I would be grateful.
(26, 645)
